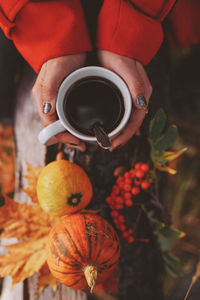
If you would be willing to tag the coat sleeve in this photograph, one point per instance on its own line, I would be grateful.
(42, 30)
(183, 24)
(132, 27)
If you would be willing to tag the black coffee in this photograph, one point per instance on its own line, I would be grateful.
(93, 100)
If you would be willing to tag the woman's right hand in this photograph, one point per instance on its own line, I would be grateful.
(45, 92)
(133, 73)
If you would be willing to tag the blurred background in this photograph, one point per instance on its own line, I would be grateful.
(175, 76)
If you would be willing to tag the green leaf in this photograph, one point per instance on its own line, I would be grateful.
(164, 243)
(157, 125)
(171, 232)
(167, 139)
(157, 153)
(174, 265)
(171, 270)
(158, 156)
(157, 225)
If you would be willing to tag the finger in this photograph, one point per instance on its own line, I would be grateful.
(47, 116)
(131, 129)
(54, 71)
(66, 140)
(70, 140)
(45, 90)
(82, 148)
(147, 84)
(137, 116)
(128, 71)
(137, 132)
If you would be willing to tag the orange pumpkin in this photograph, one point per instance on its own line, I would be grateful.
(82, 250)
(63, 188)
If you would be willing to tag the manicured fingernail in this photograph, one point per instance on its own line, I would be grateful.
(73, 144)
(141, 101)
(46, 108)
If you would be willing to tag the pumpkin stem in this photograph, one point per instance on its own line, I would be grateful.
(60, 155)
(91, 276)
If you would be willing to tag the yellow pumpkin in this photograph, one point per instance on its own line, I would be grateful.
(63, 188)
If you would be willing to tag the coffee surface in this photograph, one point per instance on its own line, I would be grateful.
(93, 100)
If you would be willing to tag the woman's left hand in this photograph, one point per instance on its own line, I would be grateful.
(133, 73)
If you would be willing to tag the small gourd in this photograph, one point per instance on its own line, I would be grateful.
(63, 188)
(82, 250)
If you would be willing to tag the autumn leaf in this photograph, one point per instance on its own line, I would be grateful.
(46, 278)
(161, 160)
(160, 142)
(7, 165)
(32, 177)
(23, 220)
(28, 223)
(31, 225)
(172, 155)
(23, 259)
(164, 168)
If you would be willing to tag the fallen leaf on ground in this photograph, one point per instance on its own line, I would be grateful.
(46, 278)
(23, 221)
(32, 177)
(31, 225)
(28, 223)
(7, 165)
(23, 259)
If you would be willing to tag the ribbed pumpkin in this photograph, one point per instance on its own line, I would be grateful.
(63, 188)
(82, 250)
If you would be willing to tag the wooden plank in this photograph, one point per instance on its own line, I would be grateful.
(62, 293)
(9, 293)
(27, 126)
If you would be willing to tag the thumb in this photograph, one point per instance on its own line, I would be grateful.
(127, 69)
(136, 85)
(45, 90)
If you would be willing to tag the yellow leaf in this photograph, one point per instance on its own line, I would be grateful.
(181, 234)
(31, 225)
(171, 155)
(46, 278)
(164, 168)
(23, 220)
(23, 259)
(7, 172)
(32, 177)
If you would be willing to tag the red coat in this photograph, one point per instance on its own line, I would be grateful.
(134, 28)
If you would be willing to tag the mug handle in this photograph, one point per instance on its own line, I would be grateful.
(49, 131)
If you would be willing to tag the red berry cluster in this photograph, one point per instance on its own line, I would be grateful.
(123, 192)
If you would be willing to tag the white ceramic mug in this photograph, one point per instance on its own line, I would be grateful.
(62, 123)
